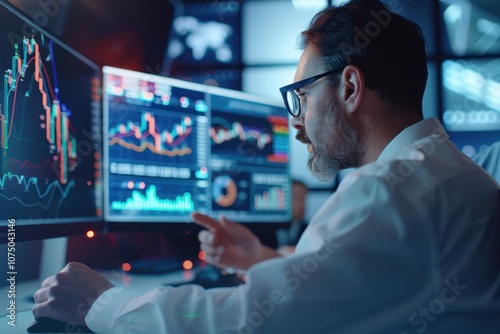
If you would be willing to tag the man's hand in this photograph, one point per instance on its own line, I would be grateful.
(230, 245)
(68, 295)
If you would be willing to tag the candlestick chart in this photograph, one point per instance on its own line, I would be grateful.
(151, 137)
(48, 149)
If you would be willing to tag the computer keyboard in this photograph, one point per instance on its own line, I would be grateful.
(155, 266)
(48, 325)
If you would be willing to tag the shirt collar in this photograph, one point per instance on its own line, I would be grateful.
(426, 128)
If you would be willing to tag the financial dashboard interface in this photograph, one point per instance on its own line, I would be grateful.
(172, 147)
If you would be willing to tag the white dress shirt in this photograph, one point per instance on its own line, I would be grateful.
(489, 159)
(407, 244)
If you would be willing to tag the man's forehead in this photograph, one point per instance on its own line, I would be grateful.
(309, 64)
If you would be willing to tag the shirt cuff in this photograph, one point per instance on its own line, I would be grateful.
(103, 314)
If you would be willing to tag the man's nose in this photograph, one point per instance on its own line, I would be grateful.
(297, 122)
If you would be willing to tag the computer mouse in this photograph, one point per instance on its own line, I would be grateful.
(211, 277)
(48, 325)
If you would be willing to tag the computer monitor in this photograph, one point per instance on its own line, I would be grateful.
(174, 146)
(50, 134)
(471, 102)
(204, 35)
(204, 43)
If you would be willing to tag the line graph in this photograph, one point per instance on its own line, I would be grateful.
(225, 131)
(31, 192)
(246, 138)
(26, 182)
(43, 169)
(151, 147)
(145, 135)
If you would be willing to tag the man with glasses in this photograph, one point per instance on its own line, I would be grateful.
(409, 242)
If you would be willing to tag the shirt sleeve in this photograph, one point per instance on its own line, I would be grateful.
(343, 285)
(184, 309)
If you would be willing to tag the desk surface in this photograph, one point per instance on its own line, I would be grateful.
(25, 291)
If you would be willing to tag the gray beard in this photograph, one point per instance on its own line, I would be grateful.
(340, 151)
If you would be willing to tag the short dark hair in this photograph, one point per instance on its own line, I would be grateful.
(388, 48)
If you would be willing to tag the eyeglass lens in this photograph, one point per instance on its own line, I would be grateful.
(293, 102)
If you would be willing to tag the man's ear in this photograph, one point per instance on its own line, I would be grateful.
(352, 87)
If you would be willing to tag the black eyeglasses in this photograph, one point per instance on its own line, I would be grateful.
(290, 96)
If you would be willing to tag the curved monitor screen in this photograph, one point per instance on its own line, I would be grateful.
(175, 146)
(50, 130)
